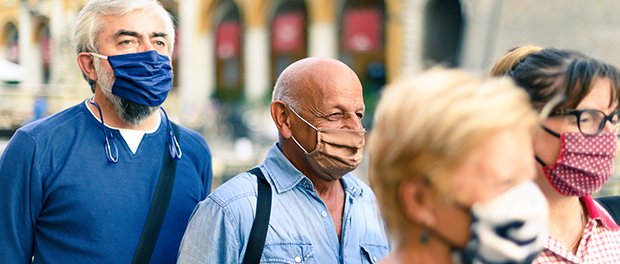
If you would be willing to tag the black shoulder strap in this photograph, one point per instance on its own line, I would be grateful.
(159, 206)
(256, 241)
(612, 205)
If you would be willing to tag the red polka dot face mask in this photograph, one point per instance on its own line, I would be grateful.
(585, 163)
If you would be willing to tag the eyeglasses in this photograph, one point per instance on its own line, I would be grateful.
(111, 155)
(591, 121)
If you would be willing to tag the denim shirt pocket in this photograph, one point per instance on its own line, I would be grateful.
(373, 253)
(288, 253)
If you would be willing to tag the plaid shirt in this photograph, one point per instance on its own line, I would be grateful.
(600, 242)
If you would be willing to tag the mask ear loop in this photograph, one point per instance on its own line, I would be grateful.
(302, 119)
(108, 137)
(544, 114)
(98, 55)
(173, 145)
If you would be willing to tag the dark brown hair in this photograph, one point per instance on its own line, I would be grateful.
(545, 73)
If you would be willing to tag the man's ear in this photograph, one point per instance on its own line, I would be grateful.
(85, 60)
(280, 115)
(416, 199)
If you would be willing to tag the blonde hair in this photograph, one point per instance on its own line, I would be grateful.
(428, 124)
(511, 59)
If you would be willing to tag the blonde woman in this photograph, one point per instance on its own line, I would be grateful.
(574, 148)
(449, 163)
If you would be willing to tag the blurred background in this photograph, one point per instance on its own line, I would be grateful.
(229, 53)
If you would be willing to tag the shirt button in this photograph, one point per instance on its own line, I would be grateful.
(297, 259)
(374, 259)
(352, 188)
(305, 182)
(324, 214)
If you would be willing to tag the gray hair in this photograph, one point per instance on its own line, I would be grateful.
(287, 89)
(88, 25)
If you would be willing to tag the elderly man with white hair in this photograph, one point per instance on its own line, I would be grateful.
(110, 179)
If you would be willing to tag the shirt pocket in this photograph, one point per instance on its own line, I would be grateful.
(373, 253)
(293, 253)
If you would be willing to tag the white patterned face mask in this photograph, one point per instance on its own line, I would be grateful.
(511, 228)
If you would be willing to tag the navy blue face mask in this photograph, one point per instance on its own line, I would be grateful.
(144, 78)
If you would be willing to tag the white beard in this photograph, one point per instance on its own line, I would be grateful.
(128, 111)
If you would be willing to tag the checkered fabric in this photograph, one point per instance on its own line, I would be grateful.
(600, 242)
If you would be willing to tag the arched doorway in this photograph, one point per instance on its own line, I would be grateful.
(443, 21)
(362, 47)
(228, 43)
(229, 89)
(43, 41)
(12, 43)
(288, 35)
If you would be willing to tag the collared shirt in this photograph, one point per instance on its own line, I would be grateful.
(300, 227)
(600, 242)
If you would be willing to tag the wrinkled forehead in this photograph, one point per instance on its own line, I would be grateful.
(336, 86)
(145, 19)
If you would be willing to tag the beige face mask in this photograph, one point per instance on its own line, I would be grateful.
(337, 152)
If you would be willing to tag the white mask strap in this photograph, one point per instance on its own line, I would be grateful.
(302, 148)
(302, 119)
(99, 55)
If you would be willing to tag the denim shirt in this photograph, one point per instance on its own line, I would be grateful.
(300, 228)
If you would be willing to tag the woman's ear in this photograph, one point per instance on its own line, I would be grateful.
(416, 198)
(85, 61)
(280, 115)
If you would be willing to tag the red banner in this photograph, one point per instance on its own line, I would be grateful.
(13, 52)
(362, 30)
(228, 40)
(287, 33)
(45, 49)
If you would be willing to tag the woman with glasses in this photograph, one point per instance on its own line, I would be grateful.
(574, 148)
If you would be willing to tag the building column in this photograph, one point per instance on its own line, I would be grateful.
(323, 32)
(479, 34)
(191, 82)
(256, 51)
(393, 39)
(256, 62)
(57, 31)
(412, 18)
(26, 57)
(323, 40)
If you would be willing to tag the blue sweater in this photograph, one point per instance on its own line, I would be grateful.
(62, 202)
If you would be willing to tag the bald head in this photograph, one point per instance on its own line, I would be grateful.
(311, 79)
(323, 93)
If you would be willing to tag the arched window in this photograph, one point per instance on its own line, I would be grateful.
(288, 35)
(228, 43)
(12, 43)
(43, 40)
(362, 47)
(443, 22)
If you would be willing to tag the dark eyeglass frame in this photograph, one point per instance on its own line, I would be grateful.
(173, 145)
(577, 113)
(109, 137)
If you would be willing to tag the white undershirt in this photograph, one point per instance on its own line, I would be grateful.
(132, 137)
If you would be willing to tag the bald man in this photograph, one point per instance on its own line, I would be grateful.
(320, 213)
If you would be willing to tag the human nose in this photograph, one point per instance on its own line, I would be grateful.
(146, 46)
(610, 126)
(353, 122)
